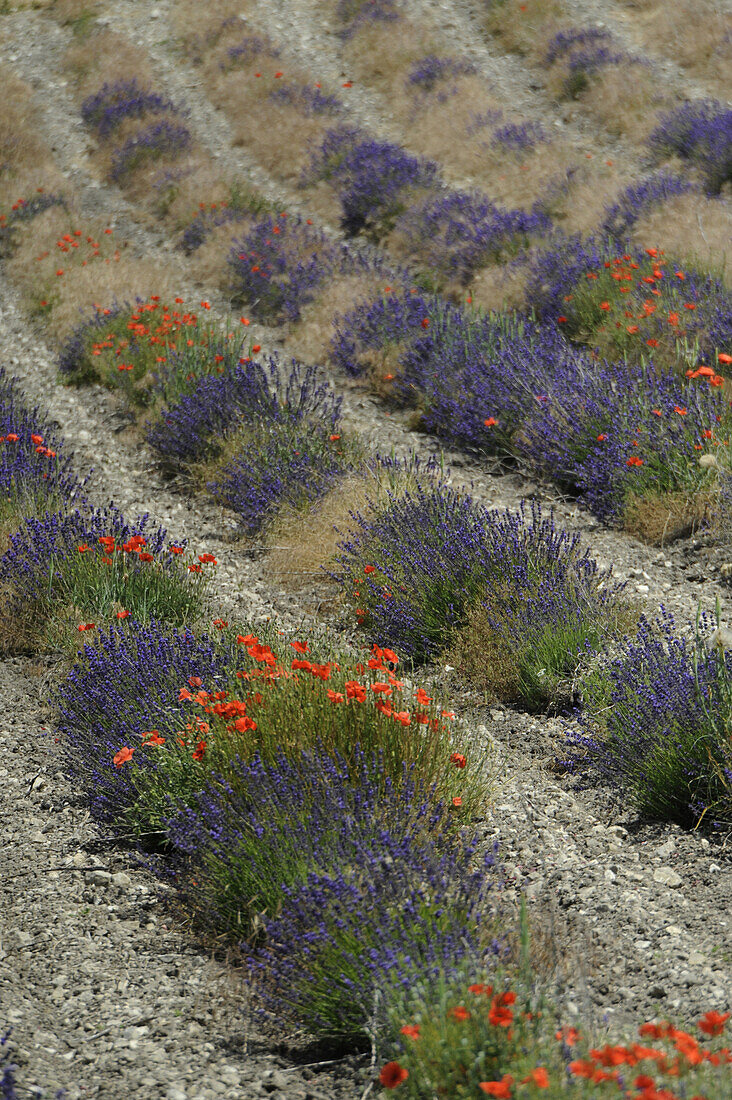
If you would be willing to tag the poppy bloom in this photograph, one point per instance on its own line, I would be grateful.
(601, 438)
(85, 626)
(12, 437)
(712, 1023)
(634, 461)
(300, 647)
(410, 1030)
(123, 755)
(457, 801)
(199, 751)
(392, 1074)
(334, 438)
(459, 1013)
(207, 558)
(490, 422)
(479, 989)
(425, 322)
(122, 614)
(501, 1090)
(724, 358)
(256, 348)
(458, 760)
(539, 1077)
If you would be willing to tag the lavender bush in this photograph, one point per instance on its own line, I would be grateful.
(431, 71)
(307, 100)
(153, 142)
(381, 906)
(583, 52)
(664, 741)
(700, 132)
(352, 15)
(24, 210)
(438, 555)
(372, 178)
(279, 265)
(454, 233)
(106, 110)
(519, 137)
(250, 48)
(637, 199)
(123, 686)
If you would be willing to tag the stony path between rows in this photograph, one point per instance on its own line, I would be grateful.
(107, 998)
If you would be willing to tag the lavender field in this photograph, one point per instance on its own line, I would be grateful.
(366, 549)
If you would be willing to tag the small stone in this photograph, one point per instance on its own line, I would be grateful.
(121, 878)
(99, 878)
(666, 876)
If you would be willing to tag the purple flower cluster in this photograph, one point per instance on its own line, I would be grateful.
(279, 264)
(245, 51)
(564, 42)
(583, 51)
(670, 702)
(430, 71)
(372, 178)
(307, 100)
(378, 907)
(292, 462)
(23, 211)
(560, 269)
(519, 136)
(119, 688)
(637, 199)
(700, 132)
(8, 1069)
(113, 104)
(457, 232)
(37, 551)
(159, 139)
(438, 553)
(31, 479)
(198, 422)
(352, 15)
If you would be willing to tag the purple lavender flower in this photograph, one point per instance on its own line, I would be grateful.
(113, 104)
(355, 14)
(372, 178)
(456, 232)
(519, 136)
(245, 51)
(308, 100)
(700, 132)
(430, 71)
(280, 263)
(119, 688)
(439, 553)
(670, 701)
(636, 199)
(160, 139)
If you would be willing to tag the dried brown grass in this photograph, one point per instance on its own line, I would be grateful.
(71, 297)
(381, 54)
(209, 263)
(105, 56)
(696, 34)
(483, 658)
(26, 161)
(305, 543)
(625, 99)
(693, 229)
(498, 287)
(526, 32)
(665, 517)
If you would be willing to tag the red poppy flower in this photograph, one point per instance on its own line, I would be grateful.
(458, 760)
(122, 756)
(410, 1030)
(207, 558)
(501, 1090)
(123, 614)
(392, 1074)
(490, 422)
(538, 1077)
(300, 647)
(712, 1023)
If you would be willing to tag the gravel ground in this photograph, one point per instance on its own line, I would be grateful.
(106, 998)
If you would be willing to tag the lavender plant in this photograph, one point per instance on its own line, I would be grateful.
(163, 139)
(431, 71)
(392, 906)
(373, 179)
(92, 562)
(106, 110)
(637, 199)
(454, 233)
(352, 15)
(664, 743)
(250, 48)
(437, 557)
(582, 51)
(279, 264)
(307, 100)
(700, 132)
(519, 137)
(23, 210)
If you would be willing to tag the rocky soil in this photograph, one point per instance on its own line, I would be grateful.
(107, 997)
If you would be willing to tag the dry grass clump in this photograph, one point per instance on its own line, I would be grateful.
(498, 287)
(525, 28)
(208, 264)
(279, 134)
(305, 543)
(381, 54)
(310, 338)
(26, 161)
(105, 57)
(696, 34)
(625, 99)
(592, 184)
(694, 229)
(660, 519)
(63, 301)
